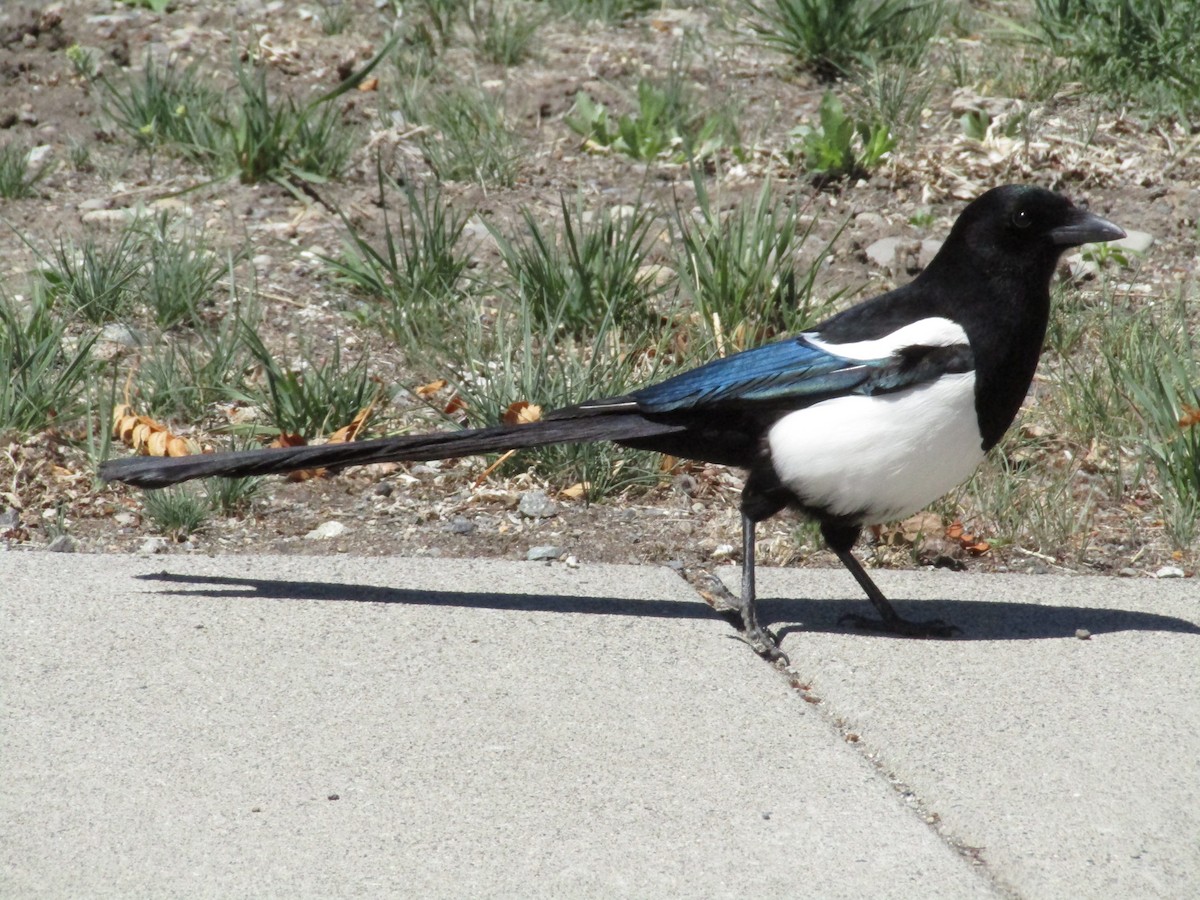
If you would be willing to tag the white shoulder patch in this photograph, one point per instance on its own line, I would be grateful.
(935, 331)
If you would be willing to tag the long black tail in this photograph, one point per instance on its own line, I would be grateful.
(156, 472)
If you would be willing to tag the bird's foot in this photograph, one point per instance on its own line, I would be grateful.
(931, 628)
(759, 639)
(762, 642)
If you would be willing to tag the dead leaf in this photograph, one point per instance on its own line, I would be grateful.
(923, 523)
(577, 491)
(428, 390)
(454, 405)
(146, 436)
(1190, 417)
(965, 539)
(348, 433)
(522, 413)
(370, 84)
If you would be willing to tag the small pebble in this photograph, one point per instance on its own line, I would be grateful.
(687, 484)
(460, 525)
(119, 333)
(64, 543)
(1083, 634)
(153, 545)
(109, 216)
(883, 252)
(1169, 572)
(1136, 241)
(536, 505)
(326, 530)
(544, 552)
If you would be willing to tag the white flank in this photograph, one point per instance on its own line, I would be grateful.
(882, 457)
(932, 332)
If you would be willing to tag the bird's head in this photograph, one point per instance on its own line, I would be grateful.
(1021, 229)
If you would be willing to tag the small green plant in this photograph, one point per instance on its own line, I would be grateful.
(525, 358)
(317, 397)
(84, 62)
(1144, 50)
(503, 31)
(468, 138)
(180, 272)
(1047, 512)
(168, 106)
(1121, 379)
(157, 6)
(838, 147)
(605, 11)
(740, 268)
(259, 136)
(96, 280)
(276, 139)
(978, 125)
(280, 140)
(80, 155)
(891, 93)
(99, 400)
(184, 375)
(231, 496)
(18, 177)
(831, 37)
(177, 511)
(418, 270)
(592, 279)
(1109, 255)
(666, 124)
(1162, 382)
(641, 137)
(47, 368)
(434, 22)
(975, 124)
(335, 15)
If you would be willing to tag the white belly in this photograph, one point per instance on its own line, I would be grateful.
(880, 458)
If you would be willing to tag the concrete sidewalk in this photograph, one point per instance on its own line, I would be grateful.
(333, 727)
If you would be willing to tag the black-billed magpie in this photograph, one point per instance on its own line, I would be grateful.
(866, 418)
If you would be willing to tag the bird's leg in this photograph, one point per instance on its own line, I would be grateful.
(889, 620)
(756, 636)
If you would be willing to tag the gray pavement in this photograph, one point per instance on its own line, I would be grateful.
(349, 727)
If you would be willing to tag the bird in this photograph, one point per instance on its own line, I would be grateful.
(864, 418)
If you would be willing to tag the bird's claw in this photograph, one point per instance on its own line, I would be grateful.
(762, 642)
(931, 628)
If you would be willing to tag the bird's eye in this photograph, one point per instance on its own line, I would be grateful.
(1022, 219)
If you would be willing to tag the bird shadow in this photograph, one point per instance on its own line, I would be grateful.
(977, 620)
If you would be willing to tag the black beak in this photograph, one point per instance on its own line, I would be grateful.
(1083, 227)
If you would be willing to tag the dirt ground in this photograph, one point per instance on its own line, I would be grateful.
(1132, 175)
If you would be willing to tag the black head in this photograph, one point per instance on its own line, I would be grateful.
(1020, 230)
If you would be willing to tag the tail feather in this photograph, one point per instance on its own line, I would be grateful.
(156, 472)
